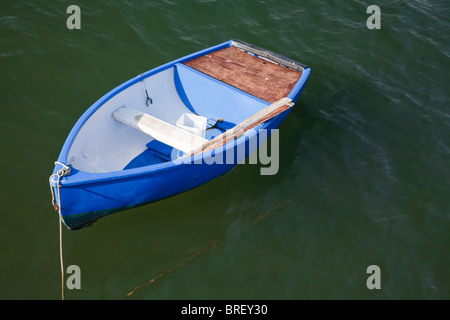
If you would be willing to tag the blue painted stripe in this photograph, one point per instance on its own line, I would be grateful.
(180, 89)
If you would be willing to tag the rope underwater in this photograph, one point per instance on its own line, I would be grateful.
(211, 245)
(64, 171)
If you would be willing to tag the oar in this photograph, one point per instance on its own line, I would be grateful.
(251, 122)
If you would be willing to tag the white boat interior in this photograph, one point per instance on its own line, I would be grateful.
(167, 114)
(121, 133)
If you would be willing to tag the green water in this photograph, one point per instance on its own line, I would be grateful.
(364, 156)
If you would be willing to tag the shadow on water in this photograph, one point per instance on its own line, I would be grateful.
(211, 245)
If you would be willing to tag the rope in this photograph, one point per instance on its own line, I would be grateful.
(215, 124)
(64, 171)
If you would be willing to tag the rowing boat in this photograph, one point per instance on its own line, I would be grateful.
(162, 132)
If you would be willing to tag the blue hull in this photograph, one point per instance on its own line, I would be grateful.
(85, 197)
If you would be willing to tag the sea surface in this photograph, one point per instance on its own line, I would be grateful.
(364, 174)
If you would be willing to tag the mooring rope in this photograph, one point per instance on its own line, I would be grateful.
(64, 171)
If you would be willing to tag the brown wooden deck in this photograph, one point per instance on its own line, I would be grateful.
(261, 78)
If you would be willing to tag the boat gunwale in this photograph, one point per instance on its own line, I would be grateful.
(79, 177)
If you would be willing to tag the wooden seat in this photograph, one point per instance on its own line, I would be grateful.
(158, 129)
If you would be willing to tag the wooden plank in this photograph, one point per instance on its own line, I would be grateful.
(259, 77)
(158, 129)
(258, 118)
(237, 134)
